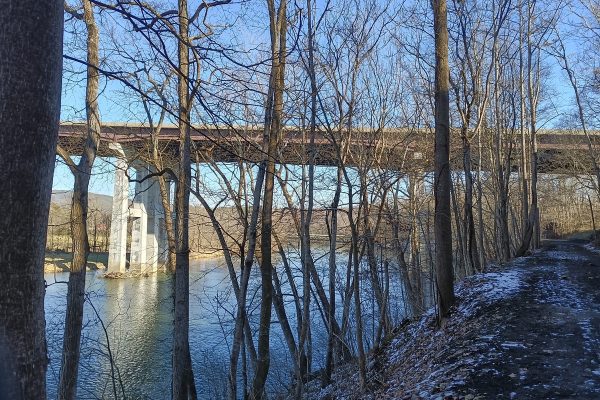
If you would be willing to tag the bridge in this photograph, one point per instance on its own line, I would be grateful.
(393, 149)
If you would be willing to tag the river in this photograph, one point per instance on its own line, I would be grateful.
(136, 316)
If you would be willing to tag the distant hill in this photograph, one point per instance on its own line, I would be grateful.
(101, 202)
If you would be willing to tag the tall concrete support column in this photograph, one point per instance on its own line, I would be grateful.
(139, 226)
(117, 250)
(145, 230)
(145, 213)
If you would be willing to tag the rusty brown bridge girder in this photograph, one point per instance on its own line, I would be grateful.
(399, 149)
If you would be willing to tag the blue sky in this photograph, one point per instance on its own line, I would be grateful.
(112, 109)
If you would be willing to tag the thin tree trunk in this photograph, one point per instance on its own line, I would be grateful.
(333, 227)
(594, 235)
(414, 272)
(532, 94)
(525, 226)
(182, 374)
(470, 234)
(306, 215)
(461, 245)
(67, 387)
(278, 26)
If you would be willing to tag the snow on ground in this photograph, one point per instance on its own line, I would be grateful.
(486, 328)
(564, 256)
(412, 349)
(593, 248)
(558, 291)
(484, 289)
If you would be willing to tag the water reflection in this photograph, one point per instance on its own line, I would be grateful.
(136, 315)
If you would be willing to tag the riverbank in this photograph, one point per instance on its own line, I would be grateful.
(529, 329)
(59, 261)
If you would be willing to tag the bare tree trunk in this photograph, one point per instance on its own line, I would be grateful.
(415, 270)
(67, 387)
(31, 54)
(306, 214)
(278, 28)
(354, 290)
(242, 328)
(443, 224)
(525, 225)
(532, 94)
(333, 227)
(371, 258)
(470, 234)
(362, 368)
(594, 235)
(461, 250)
(183, 376)
(165, 196)
(279, 305)
(410, 282)
(503, 241)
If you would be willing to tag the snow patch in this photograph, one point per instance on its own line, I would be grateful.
(589, 343)
(488, 288)
(565, 256)
(512, 345)
(560, 292)
(592, 248)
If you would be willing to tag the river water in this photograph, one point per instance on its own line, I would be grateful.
(136, 316)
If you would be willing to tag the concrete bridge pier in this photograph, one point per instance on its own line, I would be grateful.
(144, 214)
(117, 249)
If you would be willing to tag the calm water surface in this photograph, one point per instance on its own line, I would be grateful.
(136, 316)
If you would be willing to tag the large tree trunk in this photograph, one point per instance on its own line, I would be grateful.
(183, 377)
(442, 223)
(67, 387)
(31, 70)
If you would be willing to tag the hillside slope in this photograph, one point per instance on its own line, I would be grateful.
(529, 330)
(100, 202)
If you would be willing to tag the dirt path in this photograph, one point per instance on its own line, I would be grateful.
(548, 345)
(530, 330)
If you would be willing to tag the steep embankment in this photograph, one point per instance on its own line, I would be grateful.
(529, 330)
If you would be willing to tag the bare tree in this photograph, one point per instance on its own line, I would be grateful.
(443, 224)
(183, 375)
(82, 172)
(31, 51)
(272, 133)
